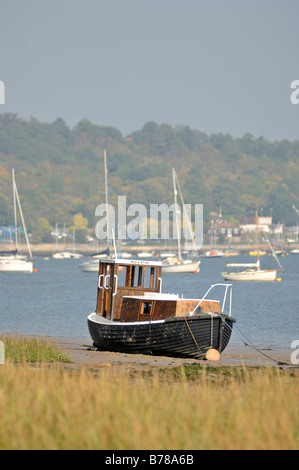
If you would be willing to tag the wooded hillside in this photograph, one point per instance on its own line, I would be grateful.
(60, 172)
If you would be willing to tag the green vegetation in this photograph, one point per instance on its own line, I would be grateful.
(20, 349)
(107, 408)
(60, 173)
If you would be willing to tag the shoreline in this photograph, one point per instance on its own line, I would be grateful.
(46, 249)
(83, 354)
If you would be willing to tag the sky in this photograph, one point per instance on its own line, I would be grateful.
(219, 66)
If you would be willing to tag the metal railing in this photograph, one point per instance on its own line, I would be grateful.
(227, 286)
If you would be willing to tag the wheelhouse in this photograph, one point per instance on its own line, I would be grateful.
(130, 291)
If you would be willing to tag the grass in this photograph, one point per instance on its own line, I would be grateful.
(110, 408)
(20, 349)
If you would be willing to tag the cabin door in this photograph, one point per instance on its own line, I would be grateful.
(105, 290)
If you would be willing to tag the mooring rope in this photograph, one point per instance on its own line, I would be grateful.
(251, 345)
(212, 328)
(193, 336)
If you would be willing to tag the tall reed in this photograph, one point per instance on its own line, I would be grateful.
(56, 408)
(31, 349)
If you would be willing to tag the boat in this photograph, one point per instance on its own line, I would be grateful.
(65, 254)
(91, 265)
(231, 252)
(145, 254)
(13, 261)
(257, 253)
(213, 253)
(253, 271)
(177, 264)
(132, 315)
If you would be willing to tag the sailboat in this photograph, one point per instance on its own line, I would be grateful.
(13, 261)
(253, 271)
(65, 254)
(213, 252)
(92, 264)
(177, 264)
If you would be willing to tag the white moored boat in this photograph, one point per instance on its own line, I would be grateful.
(16, 265)
(13, 261)
(173, 265)
(252, 273)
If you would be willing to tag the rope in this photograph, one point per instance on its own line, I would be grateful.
(193, 336)
(280, 363)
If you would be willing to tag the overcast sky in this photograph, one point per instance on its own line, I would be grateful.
(214, 65)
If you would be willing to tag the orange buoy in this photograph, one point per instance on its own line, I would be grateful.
(212, 355)
(35, 270)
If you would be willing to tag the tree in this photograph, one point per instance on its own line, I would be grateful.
(80, 227)
(41, 231)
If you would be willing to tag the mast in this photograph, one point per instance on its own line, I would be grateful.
(15, 207)
(21, 214)
(257, 238)
(106, 197)
(176, 209)
(185, 213)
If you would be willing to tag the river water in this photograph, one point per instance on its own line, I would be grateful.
(56, 300)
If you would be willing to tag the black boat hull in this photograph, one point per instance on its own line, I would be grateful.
(187, 337)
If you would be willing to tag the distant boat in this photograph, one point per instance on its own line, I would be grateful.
(213, 254)
(92, 264)
(12, 261)
(174, 265)
(231, 252)
(145, 254)
(253, 271)
(257, 253)
(66, 254)
(294, 252)
(167, 255)
(178, 264)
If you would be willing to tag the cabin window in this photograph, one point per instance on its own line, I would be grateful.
(147, 308)
(135, 276)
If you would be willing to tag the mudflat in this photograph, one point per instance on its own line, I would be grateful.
(83, 354)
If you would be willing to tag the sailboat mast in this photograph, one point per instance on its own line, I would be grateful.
(186, 216)
(22, 218)
(15, 208)
(257, 238)
(106, 197)
(176, 209)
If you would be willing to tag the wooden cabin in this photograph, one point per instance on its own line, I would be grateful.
(130, 291)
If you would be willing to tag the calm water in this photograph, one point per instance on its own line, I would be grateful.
(56, 300)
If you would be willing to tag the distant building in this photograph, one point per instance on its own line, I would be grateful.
(248, 224)
(7, 233)
(221, 229)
